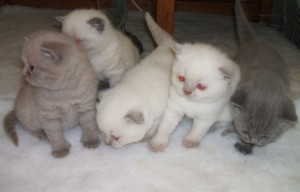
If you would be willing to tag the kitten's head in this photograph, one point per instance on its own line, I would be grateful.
(201, 71)
(86, 25)
(121, 118)
(262, 112)
(49, 59)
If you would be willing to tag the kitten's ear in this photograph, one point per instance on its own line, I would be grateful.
(136, 117)
(97, 23)
(53, 50)
(176, 48)
(226, 73)
(60, 18)
(239, 98)
(288, 112)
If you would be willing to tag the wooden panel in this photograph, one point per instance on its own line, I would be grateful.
(59, 4)
(146, 5)
(165, 14)
(266, 11)
(2, 2)
(219, 7)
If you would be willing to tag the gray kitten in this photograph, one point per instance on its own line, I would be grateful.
(59, 92)
(261, 107)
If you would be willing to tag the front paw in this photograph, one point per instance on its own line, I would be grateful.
(157, 146)
(244, 148)
(91, 144)
(188, 143)
(60, 153)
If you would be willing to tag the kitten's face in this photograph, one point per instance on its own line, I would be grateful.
(119, 122)
(85, 26)
(200, 72)
(261, 120)
(45, 62)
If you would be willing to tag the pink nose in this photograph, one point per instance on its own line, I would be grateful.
(187, 92)
(114, 138)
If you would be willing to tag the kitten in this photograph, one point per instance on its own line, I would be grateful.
(203, 80)
(110, 51)
(132, 109)
(59, 92)
(261, 107)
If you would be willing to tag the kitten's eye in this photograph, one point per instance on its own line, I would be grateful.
(245, 132)
(181, 78)
(264, 137)
(237, 108)
(201, 87)
(31, 68)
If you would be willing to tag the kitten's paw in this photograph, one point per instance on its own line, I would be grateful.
(91, 144)
(246, 149)
(157, 146)
(188, 143)
(60, 153)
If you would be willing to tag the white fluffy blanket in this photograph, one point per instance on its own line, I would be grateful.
(213, 166)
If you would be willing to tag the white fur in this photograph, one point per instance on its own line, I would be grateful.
(110, 51)
(198, 63)
(143, 90)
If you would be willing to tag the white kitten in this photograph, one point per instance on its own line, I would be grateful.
(203, 80)
(133, 108)
(110, 51)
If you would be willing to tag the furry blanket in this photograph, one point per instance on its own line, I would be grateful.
(214, 166)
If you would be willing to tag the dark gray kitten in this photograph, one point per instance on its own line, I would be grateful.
(261, 107)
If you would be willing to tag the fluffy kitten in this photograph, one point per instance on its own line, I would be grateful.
(261, 107)
(59, 92)
(203, 80)
(132, 109)
(110, 51)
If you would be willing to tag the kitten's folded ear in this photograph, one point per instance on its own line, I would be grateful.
(226, 73)
(288, 112)
(97, 23)
(60, 18)
(135, 117)
(53, 50)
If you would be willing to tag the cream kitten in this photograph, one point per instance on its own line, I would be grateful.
(132, 109)
(59, 92)
(203, 80)
(110, 51)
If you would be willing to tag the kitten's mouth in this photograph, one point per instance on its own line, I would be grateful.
(78, 41)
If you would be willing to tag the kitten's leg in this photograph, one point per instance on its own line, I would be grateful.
(244, 148)
(149, 134)
(168, 123)
(54, 132)
(40, 134)
(199, 129)
(89, 126)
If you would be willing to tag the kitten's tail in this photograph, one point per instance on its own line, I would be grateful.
(245, 32)
(160, 36)
(9, 127)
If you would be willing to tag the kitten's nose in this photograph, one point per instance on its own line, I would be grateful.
(253, 141)
(114, 138)
(187, 92)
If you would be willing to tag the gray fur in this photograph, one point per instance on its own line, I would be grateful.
(261, 107)
(59, 92)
